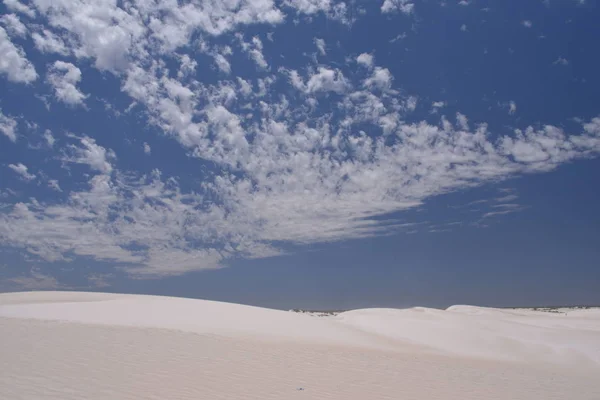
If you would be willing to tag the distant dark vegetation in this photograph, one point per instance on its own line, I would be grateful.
(318, 313)
(554, 309)
(550, 309)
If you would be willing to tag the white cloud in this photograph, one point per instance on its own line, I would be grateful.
(527, 24)
(508, 197)
(463, 28)
(48, 42)
(381, 78)
(411, 103)
(437, 105)
(53, 184)
(111, 33)
(288, 188)
(64, 77)
(245, 86)
(399, 36)
(99, 29)
(501, 212)
(22, 170)
(309, 6)
(254, 49)
(320, 43)
(35, 280)
(17, 6)
(593, 127)
(13, 25)
(100, 280)
(222, 63)
(180, 261)
(403, 6)
(327, 80)
(91, 154)
(561, 61)
(147, 149)
(8, 126)
(111, 216)
(365, 59)
(287, 166)
(187, 66)
(6, 193)
(49, 138)
(512, 107)
(462, 121)
(13, 63)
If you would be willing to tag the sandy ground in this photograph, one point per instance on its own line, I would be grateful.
(99, 346)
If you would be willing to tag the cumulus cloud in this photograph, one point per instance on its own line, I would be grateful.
(111, 35)
(91, 154)
(436, 106)
(13, 63)
(17, 6)
(403, 6)
(320, 43)
(22, 170)
(64, 77)
(381, 78)
(327, 80)
(365, 59)
(561, 61)
(512, 107)
(527, 23)
(49, 138)
(222, 63)
(187, 66)
(309, 6)
(54, 185)
(147, 149)
(48, 42)
(8, 126)
(13, 25)
(254, 49)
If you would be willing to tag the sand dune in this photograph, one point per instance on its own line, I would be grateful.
(105, 346)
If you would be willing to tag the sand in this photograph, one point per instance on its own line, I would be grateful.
(60, 345)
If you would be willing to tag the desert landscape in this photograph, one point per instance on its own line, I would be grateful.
(72, 345)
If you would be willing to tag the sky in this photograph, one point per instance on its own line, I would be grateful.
(301, 153)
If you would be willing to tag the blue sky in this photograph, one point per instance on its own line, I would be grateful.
(300, 153)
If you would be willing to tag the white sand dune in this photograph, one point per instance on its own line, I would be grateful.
(56, 345)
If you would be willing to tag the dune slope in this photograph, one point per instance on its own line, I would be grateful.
(97, 346)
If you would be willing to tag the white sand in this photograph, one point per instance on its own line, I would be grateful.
(102, 346)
